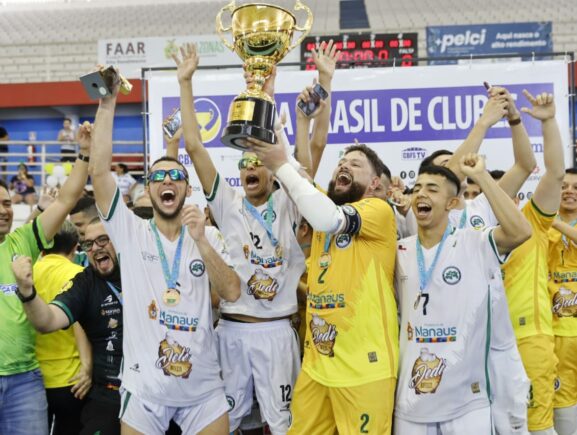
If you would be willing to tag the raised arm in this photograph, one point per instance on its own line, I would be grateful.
(565, 229)
(102, 179)
(513, 228)
(172, 144)
(547, 195)
(186, 66)
(52, 217)
(223, 280)
(525, 161)
(494, 110)
(45, 318)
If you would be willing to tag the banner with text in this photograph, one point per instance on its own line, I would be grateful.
(404, 114)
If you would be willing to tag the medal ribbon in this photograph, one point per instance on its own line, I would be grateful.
(116, 292)
(563, 236)
(463, 220)
(267, 225)
(169, 277)
(425, 275)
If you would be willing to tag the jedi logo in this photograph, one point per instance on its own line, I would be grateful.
(467, 38)
(451, 275)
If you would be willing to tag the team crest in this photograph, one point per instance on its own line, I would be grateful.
(427, 372)
(409, 331)
(246, 251)
(262, 286)
(324, 335)
(197, 268)
(173, 359)
(557, 384)
(349, 209)
(231, 403)
(343, 240)
(477, 222)
(152, 311)
(264, 215)
(565, 303)
(451, 275)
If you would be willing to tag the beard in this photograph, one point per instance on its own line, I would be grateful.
(353, 194)
(113, 276)
(162, 213)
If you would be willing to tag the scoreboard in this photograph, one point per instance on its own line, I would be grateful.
(365, 49)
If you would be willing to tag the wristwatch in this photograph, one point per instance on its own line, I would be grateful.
(83, 157)
(23, 298)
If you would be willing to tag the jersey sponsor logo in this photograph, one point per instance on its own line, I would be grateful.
(262, 286)
(560, 277)
(135, 368)
(109, 346)
(413, 153)
(8, 289)
(565, 303)
(173, 359)
(112, 323)
(231, 403)
(147, 256)
(324, 335)
(326, 301)
(427, 372)
(108, 301)
(264, 215)
(177, 321)
(343, 240)
(266, 262)
(431, 333)
(197, 268)
(110, 311)
(451, 275)
(152, 311)
(477, 222)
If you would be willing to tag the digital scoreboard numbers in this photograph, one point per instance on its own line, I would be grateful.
(365, 49)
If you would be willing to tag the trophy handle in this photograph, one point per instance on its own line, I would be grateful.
(221, 30)
(308, 23)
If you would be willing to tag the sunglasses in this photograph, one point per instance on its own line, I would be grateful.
(100, 241)
(174, 174)
(245, 161)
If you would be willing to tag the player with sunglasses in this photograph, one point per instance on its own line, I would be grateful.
(169, 266)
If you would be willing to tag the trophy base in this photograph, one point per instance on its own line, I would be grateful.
(249, 117)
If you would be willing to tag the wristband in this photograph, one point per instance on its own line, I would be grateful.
(515, 122)
(40, 209)
(23, 298)
(83, 157)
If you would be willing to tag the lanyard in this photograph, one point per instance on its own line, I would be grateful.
(563, 236)
(169, 277)
(463, 220)
(267, 225)
(425, 275)
(116, 292)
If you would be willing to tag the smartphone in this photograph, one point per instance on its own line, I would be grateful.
(318, 94)
(172, 124)
(487, 85)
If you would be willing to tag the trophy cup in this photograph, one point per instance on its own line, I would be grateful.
(262, 36)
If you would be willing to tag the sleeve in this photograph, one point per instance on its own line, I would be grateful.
(30, 240)
(539, 220)
(73, 299)
(371, 218)
(480, 207)
(221, 197)
(120, 223)
(484, 244)
(218, 243)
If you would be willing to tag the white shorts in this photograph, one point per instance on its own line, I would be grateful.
(510, 388)
(151, 418)
(477, 422)
(260, 356)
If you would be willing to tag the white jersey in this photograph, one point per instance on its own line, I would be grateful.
(169, 346)
(443, 341)
(124, 182)
(477, 214)
(269, 278)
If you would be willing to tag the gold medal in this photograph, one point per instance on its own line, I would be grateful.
(171, 297)
(325, 260)
(278, 251)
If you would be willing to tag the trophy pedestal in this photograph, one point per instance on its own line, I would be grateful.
(249, 117)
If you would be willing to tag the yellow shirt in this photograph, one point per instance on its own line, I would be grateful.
(56, 352)
(563, 284)
(525, 278)
(352, 331)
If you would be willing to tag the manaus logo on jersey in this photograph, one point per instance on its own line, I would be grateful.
(427, 372)
(343, 240)
(565, 303)
(197, 268)
(451, 275)
(262, 286)
(477, 222)
(208, 118)
(324, 335)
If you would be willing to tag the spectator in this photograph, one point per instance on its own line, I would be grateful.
(23, 186)
(82, 213)
(3, 153)
(68, 139)
(124, 180)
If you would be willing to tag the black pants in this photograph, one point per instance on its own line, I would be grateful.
(99, 416)
(64, 409)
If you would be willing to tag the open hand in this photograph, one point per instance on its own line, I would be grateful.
(543, 106)
(325, 58)
(186, 63)
(83, 383)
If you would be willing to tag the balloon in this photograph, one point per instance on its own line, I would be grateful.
(67, 167)
(58, 171)
(49, 167)
(52, 181)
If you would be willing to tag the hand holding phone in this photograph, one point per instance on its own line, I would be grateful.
(318, 94)
(172, 124)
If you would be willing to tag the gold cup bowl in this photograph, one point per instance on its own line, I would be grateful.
(262, 35)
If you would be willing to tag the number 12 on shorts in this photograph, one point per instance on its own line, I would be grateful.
(286, 393)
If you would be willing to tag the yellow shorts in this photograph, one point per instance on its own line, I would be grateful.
(542, 372)
(566, 386)
(320, 410)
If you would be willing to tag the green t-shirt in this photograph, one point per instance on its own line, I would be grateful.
(17, 353)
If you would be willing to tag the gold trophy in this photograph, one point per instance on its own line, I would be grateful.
(262, 36)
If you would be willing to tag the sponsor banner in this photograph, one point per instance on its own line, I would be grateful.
(130, 55)
(404, 114)
(478, 39)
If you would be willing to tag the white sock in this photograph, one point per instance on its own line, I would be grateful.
(566, 420)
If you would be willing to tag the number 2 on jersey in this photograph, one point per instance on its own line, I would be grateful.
(364, 423)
